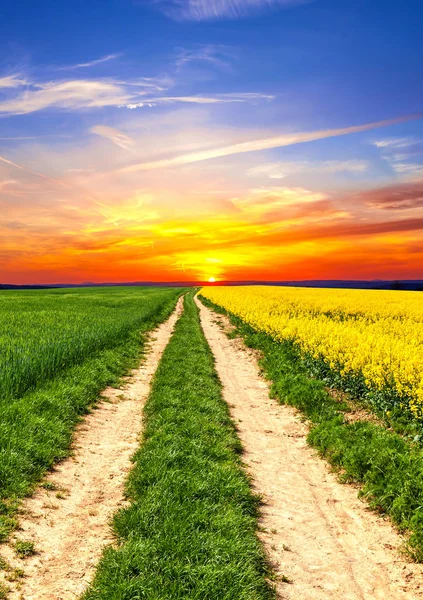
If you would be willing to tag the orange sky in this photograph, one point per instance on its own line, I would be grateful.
(161, 235)
(116, 206)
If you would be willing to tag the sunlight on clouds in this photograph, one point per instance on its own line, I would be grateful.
(257, 145)
(77, 94)
(78, 203)
(264, 200)
(280, 170)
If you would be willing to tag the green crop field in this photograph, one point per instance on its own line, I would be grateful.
(58, 350)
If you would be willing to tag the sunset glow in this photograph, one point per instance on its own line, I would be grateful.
(196, 159)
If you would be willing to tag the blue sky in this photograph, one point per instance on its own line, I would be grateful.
(140, 124)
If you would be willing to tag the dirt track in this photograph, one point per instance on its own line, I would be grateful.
(316, 531)
(71, 530)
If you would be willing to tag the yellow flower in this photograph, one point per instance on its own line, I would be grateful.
(374, 334)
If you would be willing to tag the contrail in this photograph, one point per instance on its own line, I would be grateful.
(12, 164)
(264, 144)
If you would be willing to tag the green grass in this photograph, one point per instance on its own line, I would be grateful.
(23, 548)
(52, 384)
(388, 466)
(43, 332)
(190, 530)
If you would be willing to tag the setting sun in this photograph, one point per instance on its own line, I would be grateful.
(212, 280)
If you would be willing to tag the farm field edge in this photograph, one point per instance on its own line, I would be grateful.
(386, 465)
(37, 428)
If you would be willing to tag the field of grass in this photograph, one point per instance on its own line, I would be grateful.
(189, 531)
(58, 350)
(388, 466)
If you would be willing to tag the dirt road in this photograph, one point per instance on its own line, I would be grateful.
(316, 531)
(70, 524)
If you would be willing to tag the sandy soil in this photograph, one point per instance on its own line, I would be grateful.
(316, 531)
(70, 525)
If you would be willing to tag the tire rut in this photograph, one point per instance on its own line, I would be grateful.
(316, 531)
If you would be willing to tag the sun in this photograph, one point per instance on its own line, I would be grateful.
(212, 280)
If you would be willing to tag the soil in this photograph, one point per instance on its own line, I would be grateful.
(323, 542)
(70, 524)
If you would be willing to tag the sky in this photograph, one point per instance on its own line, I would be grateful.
(191, 140)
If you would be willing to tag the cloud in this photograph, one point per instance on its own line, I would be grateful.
(393, 143)
(7, 182)
(115, 136)
(250, 97)
(367, 229)
(158, 84)
(411, 169)
(404, 155)
(287, 207)
(214, 54)
(280, 170)
(73, 94)
(262, 144)
(395, 197)
(12, 81)
(203, 10)
(77, 94)
(263, 200)
(92, 63)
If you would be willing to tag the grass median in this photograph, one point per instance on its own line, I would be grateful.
(190, 529)
(388, 467)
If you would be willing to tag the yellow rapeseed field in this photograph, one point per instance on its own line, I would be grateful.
(376, 335)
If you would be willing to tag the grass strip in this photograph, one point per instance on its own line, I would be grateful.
(36, 430)
(388, 467)
(190, 530)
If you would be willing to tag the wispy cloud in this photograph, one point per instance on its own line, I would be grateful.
(403, 154)
(249, 97)
(214, 54)
(91, 63)
(393, 143)
(73, 94)
(76, 94)
(262, 144)
(260, 201)
(201, 10)
(115, 136)
(12, 81)
(288, 206)
(280, 170)
(394, 197)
